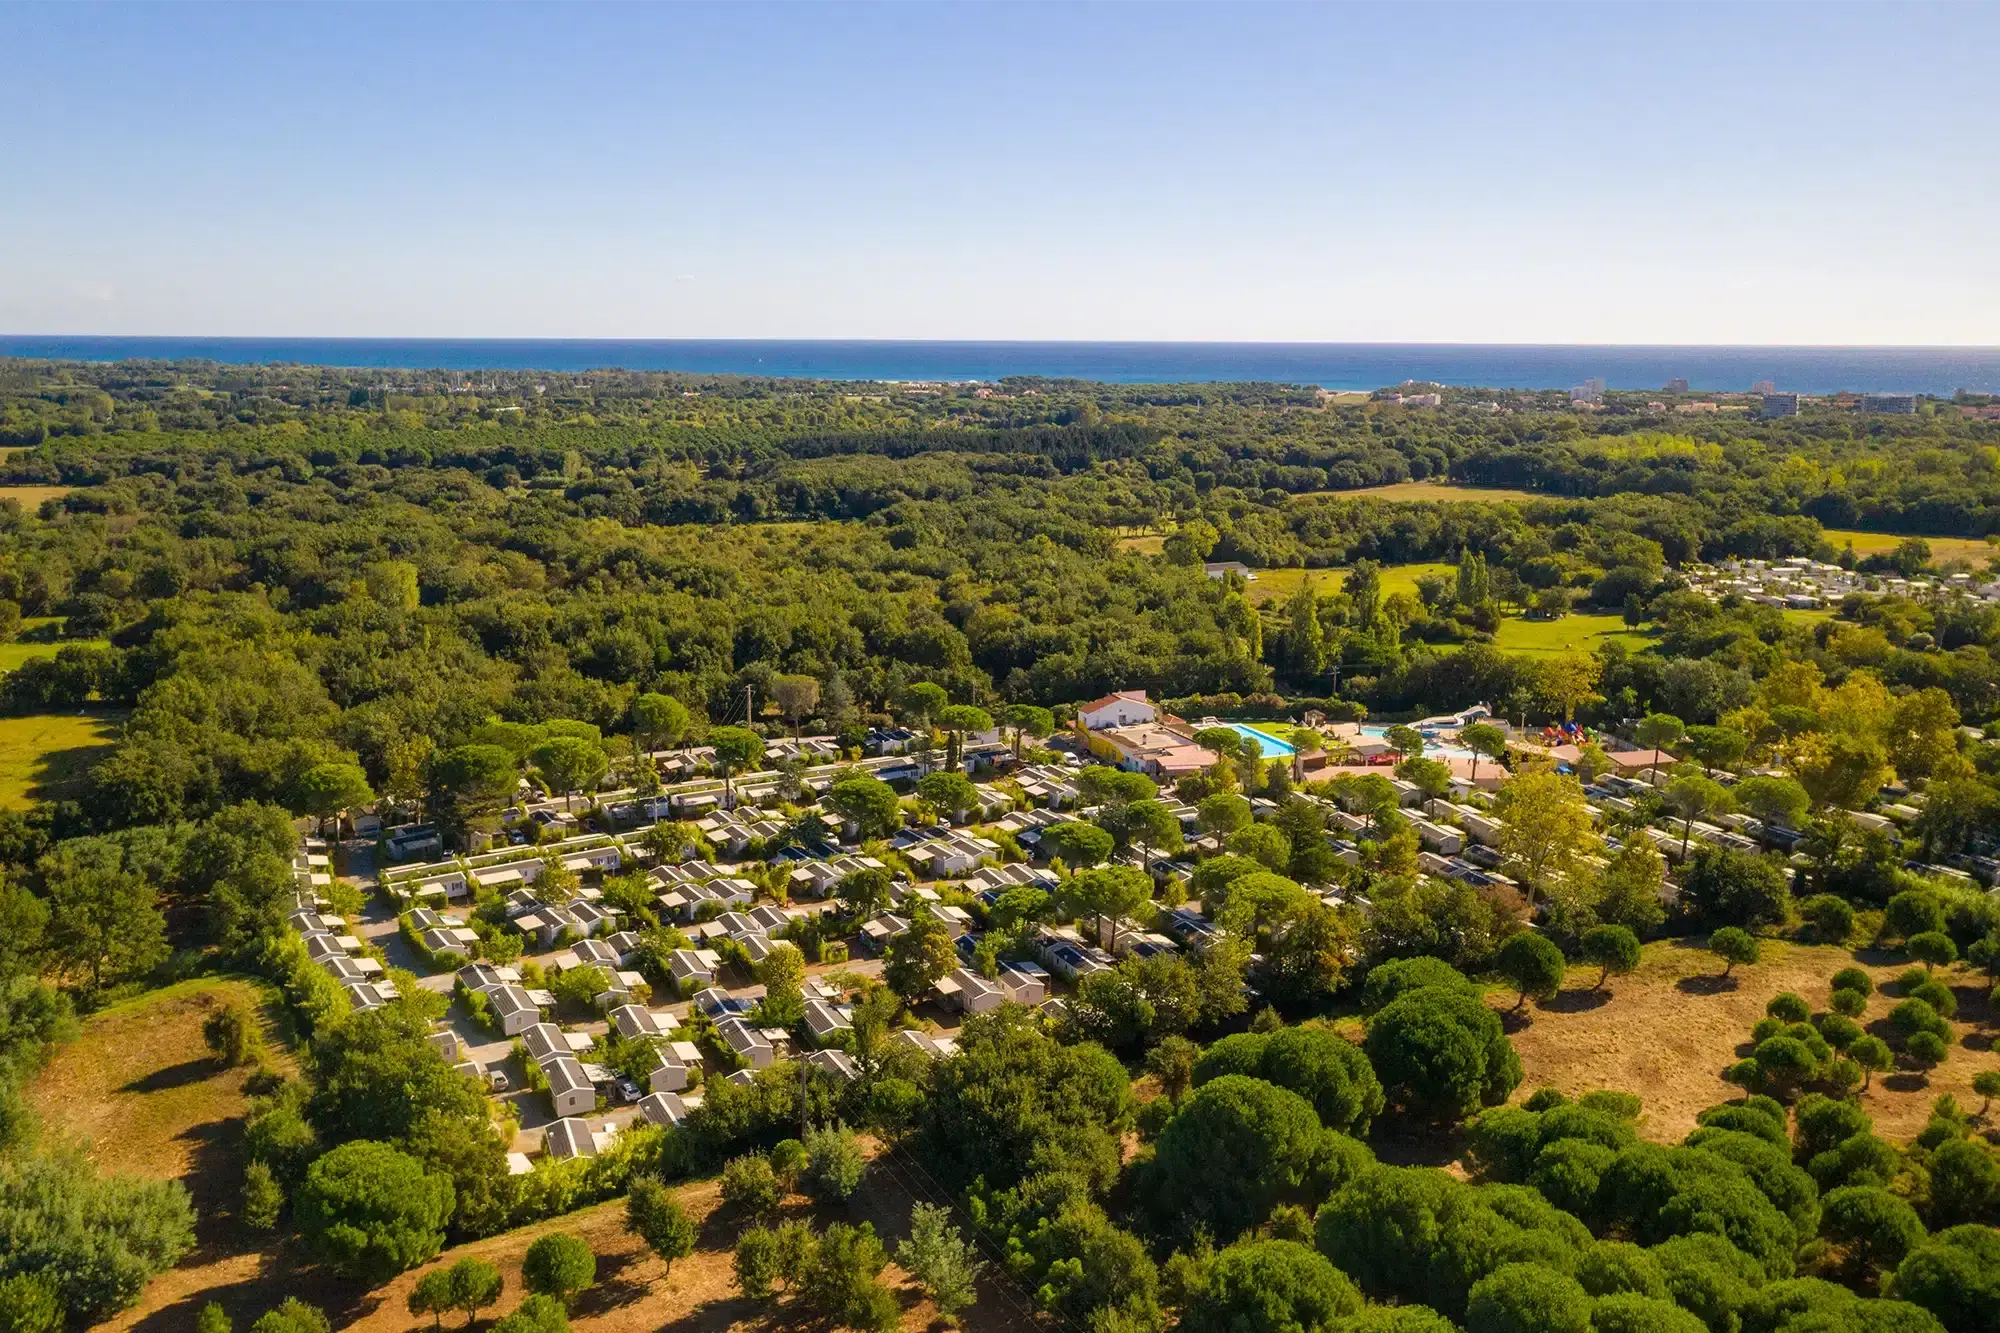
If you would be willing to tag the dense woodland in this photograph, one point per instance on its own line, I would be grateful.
(298, 584)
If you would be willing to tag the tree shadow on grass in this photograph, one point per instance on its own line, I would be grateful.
(1905, 1080)
(1577, 1001)
(175, 1076)
(617, 1286)
(717, 1315)
(1708, 983)
(277, 1277)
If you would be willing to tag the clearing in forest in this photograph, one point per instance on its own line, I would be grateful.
(44, 755)
(1667, 1032)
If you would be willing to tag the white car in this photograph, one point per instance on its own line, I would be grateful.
(496, 1079)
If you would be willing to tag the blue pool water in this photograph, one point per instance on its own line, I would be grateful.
(1272, 746)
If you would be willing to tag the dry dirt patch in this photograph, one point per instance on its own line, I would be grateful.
(1667, 1032)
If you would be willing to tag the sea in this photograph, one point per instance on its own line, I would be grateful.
(1810, 370)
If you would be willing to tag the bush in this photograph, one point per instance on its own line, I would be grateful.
(1874, 1227)
(750, 1187)
(1956, 1276)
(1913, 912)
(1854, 979)
(537, 1314)
(1442, 1054)
(1398, 976)
(1938, 996)
(1915, 1015)
(1928, 1049)
(1532, 964)
(1733, 946)
(834, 1164)
(1849, 1003)
(559, 1266)
(1527, 1298)
(1932, 948)
(1270, 1286)
(1317, 1063)
(1236, 1148)
(371, 1212)
(1831, 917)
(294, 1316)
(1965, 1183)
(1789, 1007)
(1628, 1312)
(1840, 1031)
(1614, 950)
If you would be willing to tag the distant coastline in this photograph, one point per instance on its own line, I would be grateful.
(1346, 366)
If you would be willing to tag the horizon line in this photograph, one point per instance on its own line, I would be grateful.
(987, 342)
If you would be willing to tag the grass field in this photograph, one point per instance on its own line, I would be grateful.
(1573, 633)
(1149, 544)
(1668, 1031)
(635, 1292)
(43, 754)
(1275, 585)
(140, 1091)
(1975, 549)
(31, 497)
(1443, 492)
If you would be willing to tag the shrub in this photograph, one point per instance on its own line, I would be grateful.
(1849, 1003)
(1854, 979)
(1915, 1015)
(750, 1187)
(1270, 1286)
(1398, 976)
(1874, 1227)
(1965, 1183)
(1532, 964)
(294, 1316)
(1733, 945)
(1840, 1031)
(1831, 917)
(1956, 1276)
(1938, 996)
(1527, 1298)
(1789, 1007)
(1614, 950)
(372, 1212)
(1913, 912)
(1927, 1049)
(1933, 948)
(1628, 1312)
(560, 1266)
(1442, 1053)
(834, 1164)
(1236, 1148)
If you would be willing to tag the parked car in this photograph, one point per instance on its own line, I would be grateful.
(628, 1091)
(496, 1079)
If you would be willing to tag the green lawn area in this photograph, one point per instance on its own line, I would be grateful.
(1275, 585)
(45, 753)
(1572, 633)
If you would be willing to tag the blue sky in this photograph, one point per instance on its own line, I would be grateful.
(1797, 174)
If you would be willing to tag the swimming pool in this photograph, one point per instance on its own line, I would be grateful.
(1434, 747)
(1271, 745)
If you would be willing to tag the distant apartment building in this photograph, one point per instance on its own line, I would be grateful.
(1892, 404)
(1676, 385)
(1764, 386)
(1781, 404)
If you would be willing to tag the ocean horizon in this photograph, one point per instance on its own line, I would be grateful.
(1940, 371)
